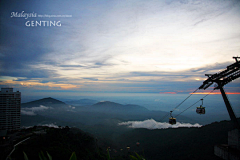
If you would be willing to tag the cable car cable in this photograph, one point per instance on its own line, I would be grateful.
(164, 117)
(179, 104)
(185, 99)
(195, 103)
(188, 108)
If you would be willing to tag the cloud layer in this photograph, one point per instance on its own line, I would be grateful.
(152, 124)
(33, 110)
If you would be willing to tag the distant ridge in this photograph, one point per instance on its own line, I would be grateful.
(50, 102)
(107, 106)
(92, 114)
(82, 102)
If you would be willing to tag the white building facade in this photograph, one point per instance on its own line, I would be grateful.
(10, 109)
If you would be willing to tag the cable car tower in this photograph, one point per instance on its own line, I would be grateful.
(222, 78)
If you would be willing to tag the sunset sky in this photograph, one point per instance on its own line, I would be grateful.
(127, 46)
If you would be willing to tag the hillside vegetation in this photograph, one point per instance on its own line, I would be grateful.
(101, 121)
(180, 143)
(60, 144)
(174, 144)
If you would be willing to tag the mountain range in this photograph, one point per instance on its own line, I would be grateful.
(97, 113)
(102, 118)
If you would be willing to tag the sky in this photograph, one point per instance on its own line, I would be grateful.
(118, 46)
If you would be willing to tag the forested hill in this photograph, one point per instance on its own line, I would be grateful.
(49, 102)
(174, 144)
(180, 143)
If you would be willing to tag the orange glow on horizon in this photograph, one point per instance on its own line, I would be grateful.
(36, 83)
(216, 93)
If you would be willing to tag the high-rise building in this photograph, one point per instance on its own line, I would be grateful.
(10, 109)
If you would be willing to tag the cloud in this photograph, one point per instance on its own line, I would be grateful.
(152, 124)
(71, 107)
(168, 92)
(50, 125)
(40, 108)
(38, 83)
(29, 113)
(213, 68)
(105, 42)
(47, 125)
(33, 110)
(78, 66)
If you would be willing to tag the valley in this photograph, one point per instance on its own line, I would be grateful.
(102, 121)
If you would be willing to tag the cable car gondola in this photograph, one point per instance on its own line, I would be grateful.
(201, 109)
(171, 119)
